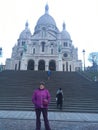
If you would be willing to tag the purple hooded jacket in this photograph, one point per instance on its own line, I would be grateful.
(39, 96)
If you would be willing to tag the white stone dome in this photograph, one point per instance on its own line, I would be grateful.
(65, 34)
(46, 20)
(26, 33)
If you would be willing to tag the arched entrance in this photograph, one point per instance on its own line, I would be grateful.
(41, 65)
(30, 65)
(52, 65)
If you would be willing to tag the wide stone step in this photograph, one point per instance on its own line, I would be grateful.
(67, 109)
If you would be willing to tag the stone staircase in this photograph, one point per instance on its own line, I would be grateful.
(16, 88)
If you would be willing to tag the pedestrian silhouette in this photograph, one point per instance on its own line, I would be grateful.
(59, 98)
(49, 74)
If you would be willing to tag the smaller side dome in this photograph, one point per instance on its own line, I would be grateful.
(26, 33)
(64, 33)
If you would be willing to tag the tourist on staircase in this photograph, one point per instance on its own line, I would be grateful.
(59, 98)
(49, 74)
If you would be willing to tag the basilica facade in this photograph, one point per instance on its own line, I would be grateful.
(47, 48)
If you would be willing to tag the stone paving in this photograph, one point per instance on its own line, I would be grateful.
(14, 124)
(22, 120)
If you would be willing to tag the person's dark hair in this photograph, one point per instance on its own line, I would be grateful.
(42, 83)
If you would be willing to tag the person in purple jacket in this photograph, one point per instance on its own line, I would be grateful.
(41, 99)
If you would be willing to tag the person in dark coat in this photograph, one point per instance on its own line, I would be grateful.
(59, 98)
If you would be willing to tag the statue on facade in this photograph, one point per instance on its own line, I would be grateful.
(59, 47)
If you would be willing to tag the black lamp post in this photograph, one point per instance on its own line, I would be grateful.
(84, 58)
(0, 56)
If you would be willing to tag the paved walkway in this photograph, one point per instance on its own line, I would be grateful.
(25, 120)
(55, 116)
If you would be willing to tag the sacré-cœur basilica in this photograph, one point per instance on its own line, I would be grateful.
(47, 48)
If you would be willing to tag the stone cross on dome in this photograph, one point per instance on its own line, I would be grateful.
(64, 26)
(46, 9)
(26, 25)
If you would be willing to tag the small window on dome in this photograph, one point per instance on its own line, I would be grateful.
(65, 44)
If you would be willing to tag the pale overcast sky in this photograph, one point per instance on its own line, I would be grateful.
(80, 17)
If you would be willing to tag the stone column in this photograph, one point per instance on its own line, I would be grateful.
(47, 65)
(23, 64)
(36, 65)
(60, 66)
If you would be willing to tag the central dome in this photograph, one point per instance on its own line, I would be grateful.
(46, 21)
